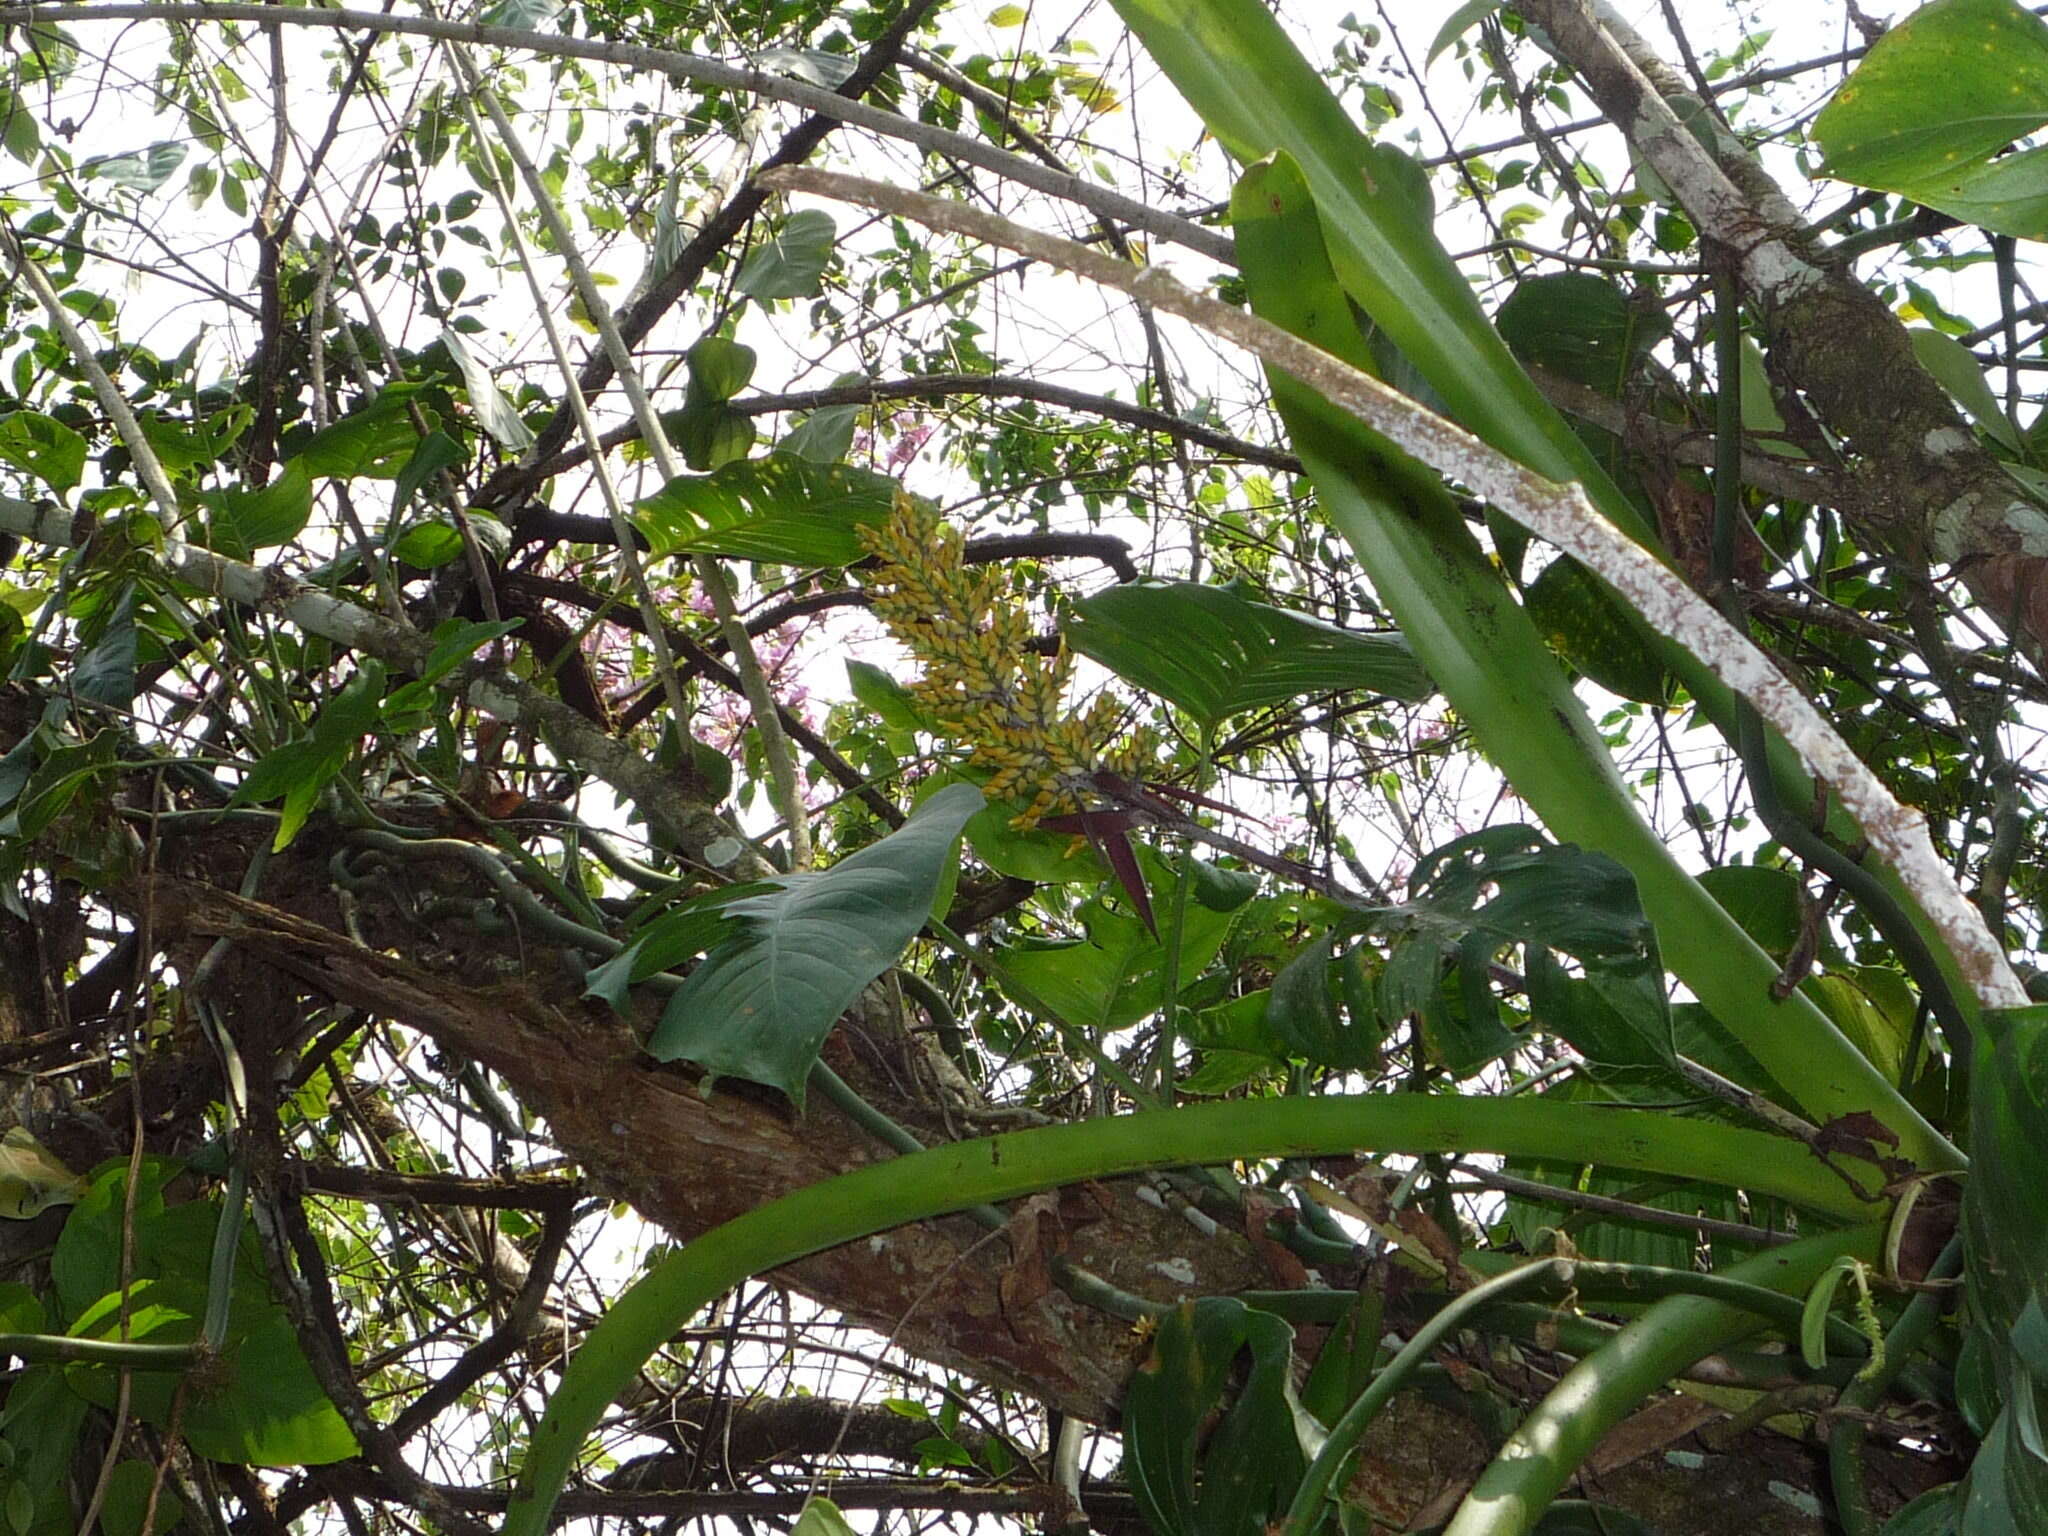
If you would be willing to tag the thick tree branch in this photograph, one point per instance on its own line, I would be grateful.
(1919, 482)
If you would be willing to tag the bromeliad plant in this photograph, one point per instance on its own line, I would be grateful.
(1320, 242)
(982, 683)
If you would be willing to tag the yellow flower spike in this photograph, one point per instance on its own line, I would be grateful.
(981, 683)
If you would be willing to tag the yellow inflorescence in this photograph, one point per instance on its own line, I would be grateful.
(980, 682)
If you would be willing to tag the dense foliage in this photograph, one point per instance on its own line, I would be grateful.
(1196, 770)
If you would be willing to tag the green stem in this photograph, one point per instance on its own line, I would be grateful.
(121, 1354)
(1606, 1386)
(962, 1174)
(1846, 1434)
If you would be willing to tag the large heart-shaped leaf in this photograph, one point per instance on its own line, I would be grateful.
(761, 1004)
(1215, 652)
(780, 508)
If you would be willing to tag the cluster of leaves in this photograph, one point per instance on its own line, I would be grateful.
(1659, 1023)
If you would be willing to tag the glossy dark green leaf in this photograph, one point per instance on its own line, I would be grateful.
(60, 776)
(268, 1410)
(1192, 1481)
(1934, 1513)
(1935, 104)
(1215, 652)
(43, 448)
(761, 1004)
(39, 1432)
(791, 262)
(775, 508)
(1302, 1012)
(105, 671)
(1514, 882)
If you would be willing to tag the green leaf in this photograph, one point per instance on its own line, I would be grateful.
(1934, 1513)
(374, 441)
(885, 698)
(1768, 902)
(127, 1501)
(241, 522)
(777, 508)
(1303, 1015)
(39, 1435)
(790, 264)
(19, 134)
(527, 15)
(1484, 653)
(142, 170)
(430, 454)
(1592, 630)
(719, 367)
(1957, 370)
(456, 640)
(687, 929)
(1934, 105)
(826, 435)
(1220, 889)
(1461, 21)
(761, 1004)
(105, 673)
(1116, 976)
(1188, 1479)
(267, 1410)
(821, 1517)
(2005, 1237)
(713, 435)
(1215, 652)
(428, 546)
(1581, 326)
(42, 447)
(486, 399)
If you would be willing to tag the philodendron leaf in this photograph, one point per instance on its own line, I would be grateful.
(1933, 107)
(1250, 1462)
(1215, 652)
(761, 1004)
(777, 508)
